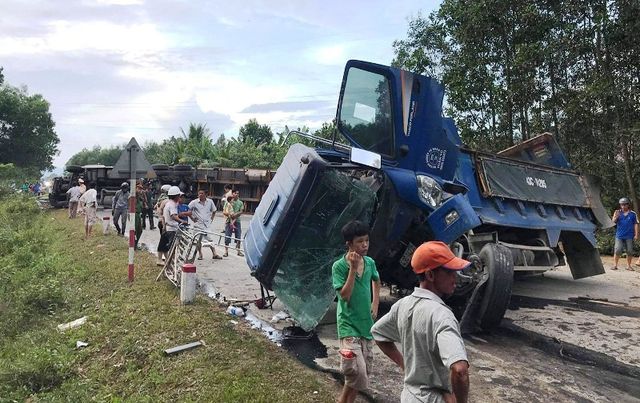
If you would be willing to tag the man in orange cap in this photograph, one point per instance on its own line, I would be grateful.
(432, 354)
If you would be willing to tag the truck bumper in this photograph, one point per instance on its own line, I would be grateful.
(452, 219)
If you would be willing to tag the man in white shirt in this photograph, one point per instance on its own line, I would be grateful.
(89, 202)
(74, 194)
(171, 220)
(83, 188)
(432, 352)
(203, 210)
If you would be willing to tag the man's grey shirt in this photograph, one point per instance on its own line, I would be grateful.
(74, 193)
(202, 212)
(120, 200)
(430, 340)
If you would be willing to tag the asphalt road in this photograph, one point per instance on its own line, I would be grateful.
(561, 340)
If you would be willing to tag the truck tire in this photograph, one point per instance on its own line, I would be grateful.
(160, 167)
(74, 169)
(498, 262)
(182, 167)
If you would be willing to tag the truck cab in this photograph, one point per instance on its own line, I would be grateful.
(406, 173)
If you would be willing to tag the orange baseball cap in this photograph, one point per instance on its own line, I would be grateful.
(433, 254)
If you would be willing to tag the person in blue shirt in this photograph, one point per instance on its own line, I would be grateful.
(183, 209)
(626, 221)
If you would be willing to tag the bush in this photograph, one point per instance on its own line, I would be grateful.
(605, 241)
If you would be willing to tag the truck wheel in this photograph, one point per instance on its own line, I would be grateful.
(498, 263)
(160, 167)
(182, 167)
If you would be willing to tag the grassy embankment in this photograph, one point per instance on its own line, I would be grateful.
(50, 275)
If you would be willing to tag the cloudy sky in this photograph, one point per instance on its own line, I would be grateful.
(113, 69)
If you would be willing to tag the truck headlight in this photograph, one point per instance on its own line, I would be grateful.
(429, 190)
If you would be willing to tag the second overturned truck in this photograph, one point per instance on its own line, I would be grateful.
(407, 174)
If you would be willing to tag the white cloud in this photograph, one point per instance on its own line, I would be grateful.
(330, 55)
(102, 36)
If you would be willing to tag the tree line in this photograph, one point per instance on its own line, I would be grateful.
(256, 146)
(513, 69)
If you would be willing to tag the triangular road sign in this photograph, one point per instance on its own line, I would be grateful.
(132, 153)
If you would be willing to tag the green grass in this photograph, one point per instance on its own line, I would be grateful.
(53, 276)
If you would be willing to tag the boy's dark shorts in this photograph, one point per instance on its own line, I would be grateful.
(356, 369)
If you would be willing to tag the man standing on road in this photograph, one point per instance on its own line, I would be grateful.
(354, 276)
(171, 220)
(89, 201)
(231, 228)
(83, 188)
(74, 194)
(159, 207)
(626, 222)
(203, 210)
(432, 355)
(120, 207)
(147, 208)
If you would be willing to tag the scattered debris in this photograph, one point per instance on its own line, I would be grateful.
(184, 347)
(235, 311)
(80, 344)
(282, 315)
(233, 322)
(73, 324)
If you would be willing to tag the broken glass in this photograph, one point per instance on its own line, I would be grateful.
(303, 279)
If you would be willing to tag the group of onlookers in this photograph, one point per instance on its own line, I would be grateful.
(33, 188)
(431, 349)
(173, 212)
(83, 200)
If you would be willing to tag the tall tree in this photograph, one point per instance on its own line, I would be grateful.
(255, 133)
(27, 135)
(513, 69)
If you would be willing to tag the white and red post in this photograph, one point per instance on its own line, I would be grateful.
(132, 228)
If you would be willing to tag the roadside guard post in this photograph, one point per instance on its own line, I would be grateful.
(106, 222)
(133, 163)
(188, 283)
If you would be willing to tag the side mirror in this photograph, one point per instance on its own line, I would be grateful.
(367, 158)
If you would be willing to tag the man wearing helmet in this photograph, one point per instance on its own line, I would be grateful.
(626, 222)
(171, 220)
(120, 207)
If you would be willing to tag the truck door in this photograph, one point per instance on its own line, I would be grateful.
(365, 115)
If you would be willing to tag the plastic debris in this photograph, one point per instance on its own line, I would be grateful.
(80, 344)
(184, 347)
(235, 311)
(282, 315)
(73, 324)
(233, 322)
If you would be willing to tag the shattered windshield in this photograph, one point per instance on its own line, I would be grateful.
(303, 279)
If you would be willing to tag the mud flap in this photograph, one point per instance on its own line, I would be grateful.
(582, 255)
(592, 183)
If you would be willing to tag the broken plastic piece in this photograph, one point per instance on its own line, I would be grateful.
(184, 347)
(73, 324)
(282, 315)
(80, 344)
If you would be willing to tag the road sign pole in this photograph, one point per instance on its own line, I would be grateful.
(132, 209)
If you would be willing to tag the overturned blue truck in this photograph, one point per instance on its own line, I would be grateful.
(407, 174)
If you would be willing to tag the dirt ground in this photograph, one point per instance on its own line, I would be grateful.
(561, 340)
